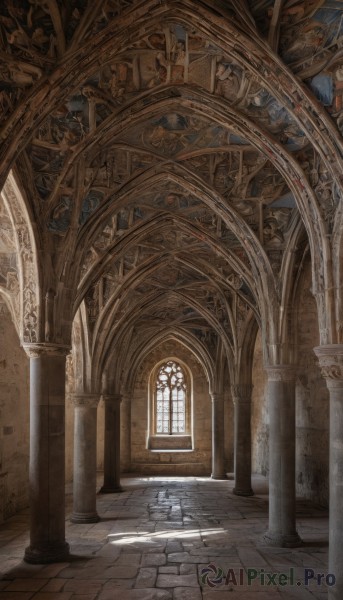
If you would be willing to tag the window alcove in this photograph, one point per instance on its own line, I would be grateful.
(170, 407)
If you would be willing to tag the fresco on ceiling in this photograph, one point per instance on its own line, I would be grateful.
(175, 56)
(171, 56)
(171, 134)
(102, 174)
(46, 167)
(38, 36)
(309, 28)
(306, 32)
(269, 223)
(115, 166)
(175, 133)
(36, 29)
(34, 34)
(89, 205)
(311, 35)
(179, 276)
(61, 215)
(67, 126)
(245, 179)
(328, 88)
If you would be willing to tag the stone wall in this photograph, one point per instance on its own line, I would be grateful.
(312, 407)
(14, 419)
(172, 462)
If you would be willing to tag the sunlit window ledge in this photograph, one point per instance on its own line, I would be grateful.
(174, 442)
(166, 450)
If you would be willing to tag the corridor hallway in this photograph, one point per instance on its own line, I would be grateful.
(156, 540)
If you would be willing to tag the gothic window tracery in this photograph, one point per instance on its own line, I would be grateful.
(170, 406)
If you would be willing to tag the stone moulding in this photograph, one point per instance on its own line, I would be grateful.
(330, 358)
(39, 349)
(281, 372)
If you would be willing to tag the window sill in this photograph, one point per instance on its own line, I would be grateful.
(170, 443)
(168, 451)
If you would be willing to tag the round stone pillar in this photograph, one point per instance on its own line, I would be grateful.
(84, 482)
(47, 453)
(112, 444)
(241, 396)
(281, 396)
(218, 453)
(125, 435)
(331, 363)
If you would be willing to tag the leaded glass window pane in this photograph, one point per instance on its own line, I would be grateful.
(170, 399)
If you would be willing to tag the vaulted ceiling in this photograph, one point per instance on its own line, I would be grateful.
(177, 159)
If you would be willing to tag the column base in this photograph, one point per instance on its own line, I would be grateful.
(219, 476)
(107, 489)
(239, 492)
(282, 541)
(49, 553)
(80, 518)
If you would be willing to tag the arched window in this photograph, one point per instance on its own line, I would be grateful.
(170, 406)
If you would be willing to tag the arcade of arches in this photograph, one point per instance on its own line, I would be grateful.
(171, 254)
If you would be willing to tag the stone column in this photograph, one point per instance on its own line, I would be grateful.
(281, 396)
(331, 363)
(125, 434)
(218, 452)
(84, 483)
(241, 396)
(47, 453)
(112, 444)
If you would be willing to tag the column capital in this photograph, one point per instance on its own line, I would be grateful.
(126, 398)
(85, 400)
(330, 358)
(115, 398)
(216, 397)
(285, 373)
(241, 392)
(39, 349)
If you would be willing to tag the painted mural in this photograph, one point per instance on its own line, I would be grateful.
(128, 143)
(177, 56)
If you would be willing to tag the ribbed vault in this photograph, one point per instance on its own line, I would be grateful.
(177, 181)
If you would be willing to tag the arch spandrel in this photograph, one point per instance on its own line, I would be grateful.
(168, 338)
(23, 281)
(9, 269)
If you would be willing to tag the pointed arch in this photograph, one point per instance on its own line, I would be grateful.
(31, 310)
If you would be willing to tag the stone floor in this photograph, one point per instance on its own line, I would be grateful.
(186, 538)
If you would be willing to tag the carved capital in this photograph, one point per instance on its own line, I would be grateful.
(38, 350)
(85, 400)
(112, 398)
(285, 373)
(126, 399)
(241, 393)
(215, 397)
(330, 358)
